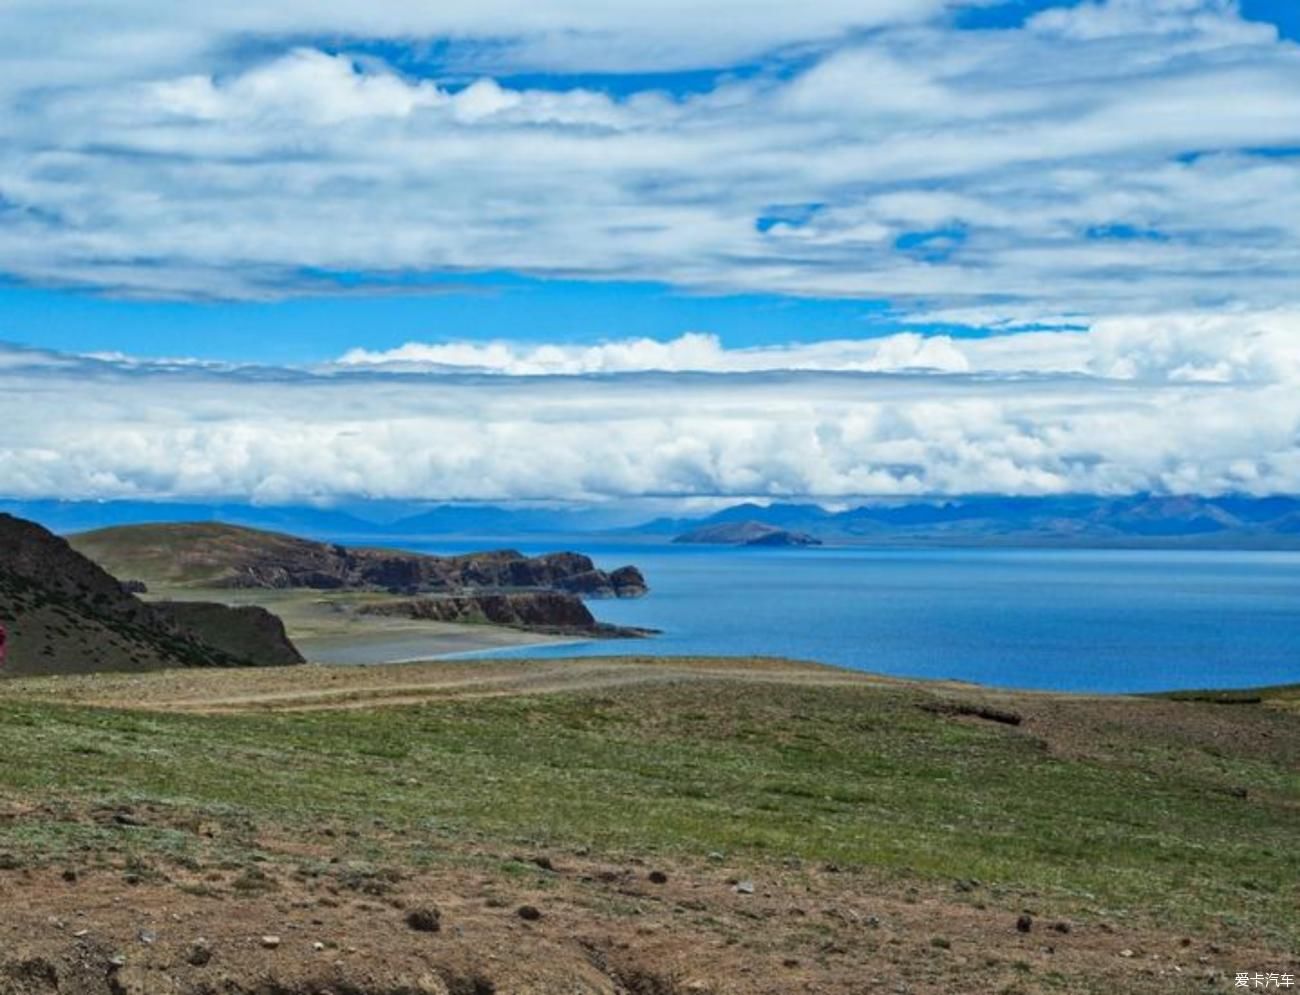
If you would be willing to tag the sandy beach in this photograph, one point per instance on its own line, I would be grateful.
(327, 628)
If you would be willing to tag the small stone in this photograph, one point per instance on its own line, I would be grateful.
(529, 913)
(1024, 924)
(81, 933)
(544, 863)
(147, 937)
(70, 875)
(424, 919)
(270, 941)
(318, 946)
(744, 887)
(657, 877)
(717, 857)
(1061, 927)
(116, 962)
(1126, 952)
(199, 953)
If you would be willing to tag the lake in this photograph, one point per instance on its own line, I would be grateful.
(1062, 620)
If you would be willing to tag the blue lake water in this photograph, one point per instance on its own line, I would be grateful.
(1078, 620)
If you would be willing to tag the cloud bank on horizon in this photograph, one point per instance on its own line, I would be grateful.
(1117, 182)
(1193, 405)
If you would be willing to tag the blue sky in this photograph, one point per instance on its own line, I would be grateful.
(307, 329)
(995, 219)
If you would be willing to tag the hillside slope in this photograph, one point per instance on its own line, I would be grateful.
(638, 827)
(212, 555)
(65, 614)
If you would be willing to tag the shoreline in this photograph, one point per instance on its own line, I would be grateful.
(492, 654)
(448, 642)
(327, 628)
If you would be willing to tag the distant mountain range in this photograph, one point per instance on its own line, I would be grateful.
(1137, 521)
(1231, 521)
(446, 519)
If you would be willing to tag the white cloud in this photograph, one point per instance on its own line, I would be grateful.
(1214, 20)
(1174, 404)
(1207, 348)
(192, 151)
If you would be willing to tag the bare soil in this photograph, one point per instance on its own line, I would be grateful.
(604, 927)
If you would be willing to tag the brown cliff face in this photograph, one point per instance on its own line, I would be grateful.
(540, 608)
(536, 611)
(65, 614)
(244, 632)
(629, 582)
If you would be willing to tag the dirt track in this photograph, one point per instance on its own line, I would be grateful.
(329, 687)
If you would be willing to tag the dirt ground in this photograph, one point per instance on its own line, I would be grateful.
(601, 926)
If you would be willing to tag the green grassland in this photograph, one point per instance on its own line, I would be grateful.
(1128, 808)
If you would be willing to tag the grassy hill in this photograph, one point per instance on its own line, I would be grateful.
(213, 555)
(197, 554)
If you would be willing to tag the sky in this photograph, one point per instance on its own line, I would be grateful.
(611, 252)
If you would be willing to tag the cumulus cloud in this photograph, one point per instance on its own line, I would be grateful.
(1174, 404)
(1207, 348)
(998, 176)
(693, 352)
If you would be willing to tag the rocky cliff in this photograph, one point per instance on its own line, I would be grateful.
(244, 632)
(65, 614)
(537, 611)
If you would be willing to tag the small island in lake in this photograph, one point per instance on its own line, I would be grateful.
(746, 534)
